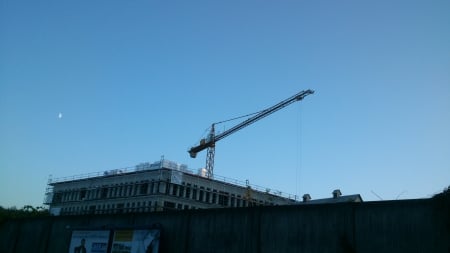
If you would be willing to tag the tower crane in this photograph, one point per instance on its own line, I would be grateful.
(210, 142)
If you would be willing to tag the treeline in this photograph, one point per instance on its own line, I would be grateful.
(443, 194)
(26, 212)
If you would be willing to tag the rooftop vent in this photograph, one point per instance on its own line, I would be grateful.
(202, 172)
(337, 193)
(306, 197)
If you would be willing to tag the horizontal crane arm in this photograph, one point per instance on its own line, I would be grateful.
(212, 139)
(297, 97)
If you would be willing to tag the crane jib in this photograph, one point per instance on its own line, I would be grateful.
(263, 113)
(209, 143)
(204, 144)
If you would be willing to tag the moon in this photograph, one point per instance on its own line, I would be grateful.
(60, 115)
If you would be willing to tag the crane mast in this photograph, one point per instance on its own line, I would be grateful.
(210, 142)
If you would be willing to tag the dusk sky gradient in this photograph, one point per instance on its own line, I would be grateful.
(135, 80)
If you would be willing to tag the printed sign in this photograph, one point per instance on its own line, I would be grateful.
(89, 241)
(135, 241)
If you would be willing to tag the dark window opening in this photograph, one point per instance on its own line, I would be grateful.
(92, 209)
(188, 192)
(135, 190)
(223, 199)
(144, 189)
(200, 195)
(104, 193)
(169, 205)
(116, 189)
(57, 198)
(214, 196)
(174, 189)
(194, 194)
(152, 188)
(181, 192)
(120, 208)
(207, 200)
(82, 194)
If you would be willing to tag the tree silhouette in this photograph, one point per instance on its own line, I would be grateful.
(27, 211)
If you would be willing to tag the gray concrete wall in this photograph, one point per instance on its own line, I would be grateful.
(387, 226)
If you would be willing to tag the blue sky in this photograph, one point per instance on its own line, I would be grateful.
(135, 80)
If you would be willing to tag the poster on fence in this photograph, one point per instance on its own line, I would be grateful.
(135, 241)
(89, 241)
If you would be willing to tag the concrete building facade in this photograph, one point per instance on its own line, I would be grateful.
(163, 185)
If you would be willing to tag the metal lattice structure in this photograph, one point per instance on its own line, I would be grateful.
(210, 142)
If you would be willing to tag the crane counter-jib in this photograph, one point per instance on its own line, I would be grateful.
(203, 145)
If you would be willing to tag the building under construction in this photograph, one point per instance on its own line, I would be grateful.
(158, 186)
(165, 185)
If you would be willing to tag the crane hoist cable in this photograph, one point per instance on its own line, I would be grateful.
(210, 142)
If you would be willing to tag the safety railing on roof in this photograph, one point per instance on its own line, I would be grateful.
(92, 175)
(254, 187)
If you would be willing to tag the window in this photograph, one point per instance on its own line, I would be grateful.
(167, 188)
(201, 194)
(120, 208)
(104, 192)
(116, 191)
(57, 197)
(194, 194)
(83, 194)
(135, 189)
(223, 198)
(144, 189)
(214, 197)
(152, 186)
(158, 187)
(238, 202)
(188, 191)
(207, 200)
(181, 192)
(129, 190)
(174, 189)
(169, 205)
(120, 191)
